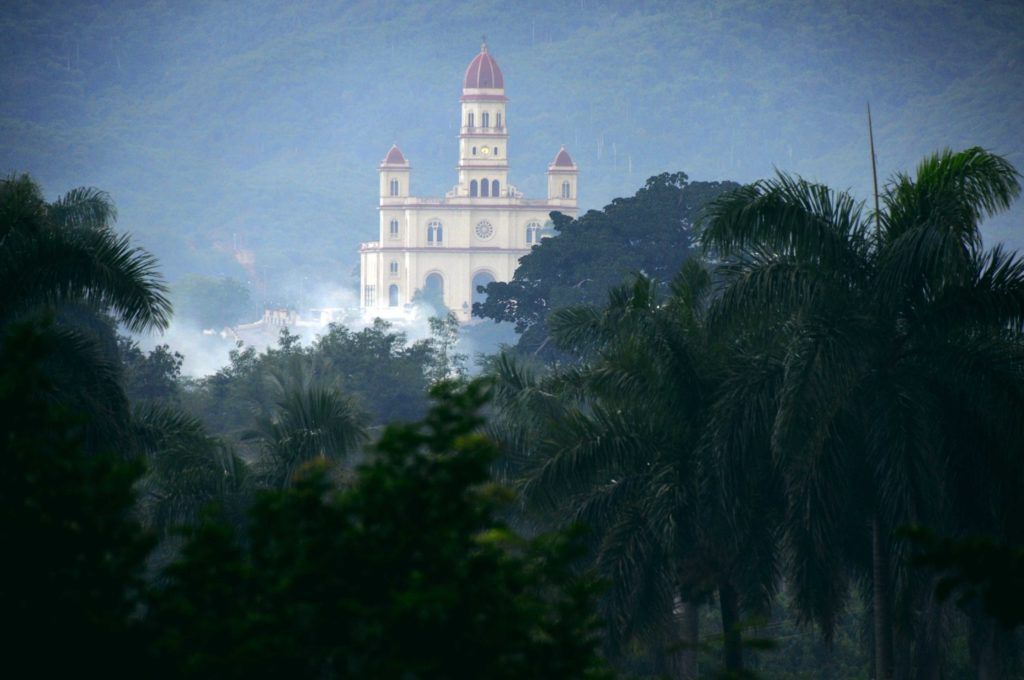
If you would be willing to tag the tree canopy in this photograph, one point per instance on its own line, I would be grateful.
(651, 232)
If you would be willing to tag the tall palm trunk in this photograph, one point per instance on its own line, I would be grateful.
(689, 633)
(882, 602)
(928, 647)
(989, 646)
(729, 601)
(679, 659)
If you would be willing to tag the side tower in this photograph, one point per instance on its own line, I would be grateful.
(394, 177)
(563, 175)
(483, 137)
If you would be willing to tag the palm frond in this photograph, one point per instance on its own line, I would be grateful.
(952, 192)
(589, 449)
(83, 208)
(787, 215)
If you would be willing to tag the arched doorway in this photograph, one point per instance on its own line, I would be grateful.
(392, 295)
(481, 279)
(433, 289)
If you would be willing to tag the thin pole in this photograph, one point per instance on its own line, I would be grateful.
(874, 178)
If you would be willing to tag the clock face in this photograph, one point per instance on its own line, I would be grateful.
(485, 151)
(484, 230)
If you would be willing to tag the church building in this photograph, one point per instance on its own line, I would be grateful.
(446, 247)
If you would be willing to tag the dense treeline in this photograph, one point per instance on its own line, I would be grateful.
(792, 423)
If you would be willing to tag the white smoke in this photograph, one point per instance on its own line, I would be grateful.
(206, 350)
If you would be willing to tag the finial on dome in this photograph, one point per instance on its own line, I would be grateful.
(483, 44)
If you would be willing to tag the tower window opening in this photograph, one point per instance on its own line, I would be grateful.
(392, 295)
(435, 233)
(472, 188)
(497, 122)
(485, 187)
(469, 119)
(495, 186)
(485, 119)
(566, 189)
(393, 187)
(495, 151)
(474, 150)
(393, 267)
(393, 228)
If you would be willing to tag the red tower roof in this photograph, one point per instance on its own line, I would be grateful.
(563, 160)
(483, 72)
(394, 156)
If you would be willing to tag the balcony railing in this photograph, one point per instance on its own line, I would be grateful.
(476, 130)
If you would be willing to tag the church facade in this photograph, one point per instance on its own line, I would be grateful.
(446, 247)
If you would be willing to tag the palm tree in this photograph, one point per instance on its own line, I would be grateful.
(187, 470)
(630, 460)
(67, 252)
(308, 423)
(63, 260)
(885, 328)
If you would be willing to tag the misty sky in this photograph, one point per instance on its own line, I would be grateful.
(259, 125)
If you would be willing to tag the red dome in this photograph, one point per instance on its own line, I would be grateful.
(563, 160)
(483, 72)
(394, 156)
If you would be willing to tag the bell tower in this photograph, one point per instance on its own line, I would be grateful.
(483, 136)
(563, 174)
(394, 176)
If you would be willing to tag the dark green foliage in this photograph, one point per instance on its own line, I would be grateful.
(406, 573)
(186, 470)
(70, 576)
(63, 260)
(150, 378)
(622, 445)
(67, 252)
(900, 381)
(650, 232)
(975, 569)
(376, 365)
(306, 425)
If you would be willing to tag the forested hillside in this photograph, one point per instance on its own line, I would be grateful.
(242, 139)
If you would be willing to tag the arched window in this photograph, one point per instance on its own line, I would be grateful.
(485, 187)
(533, 232)
(472, 187)
(495, 151)
(435, 233)
(393, 267)
(480, 280)
(485, 119)
(566, 189)
(474, 150)
(394, 187)
(433, 288)
(497, 123)
(469, 119)
(495, 187)
(392, 295)
(393, 228)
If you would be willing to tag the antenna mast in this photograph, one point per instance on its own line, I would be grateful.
(874, 179)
